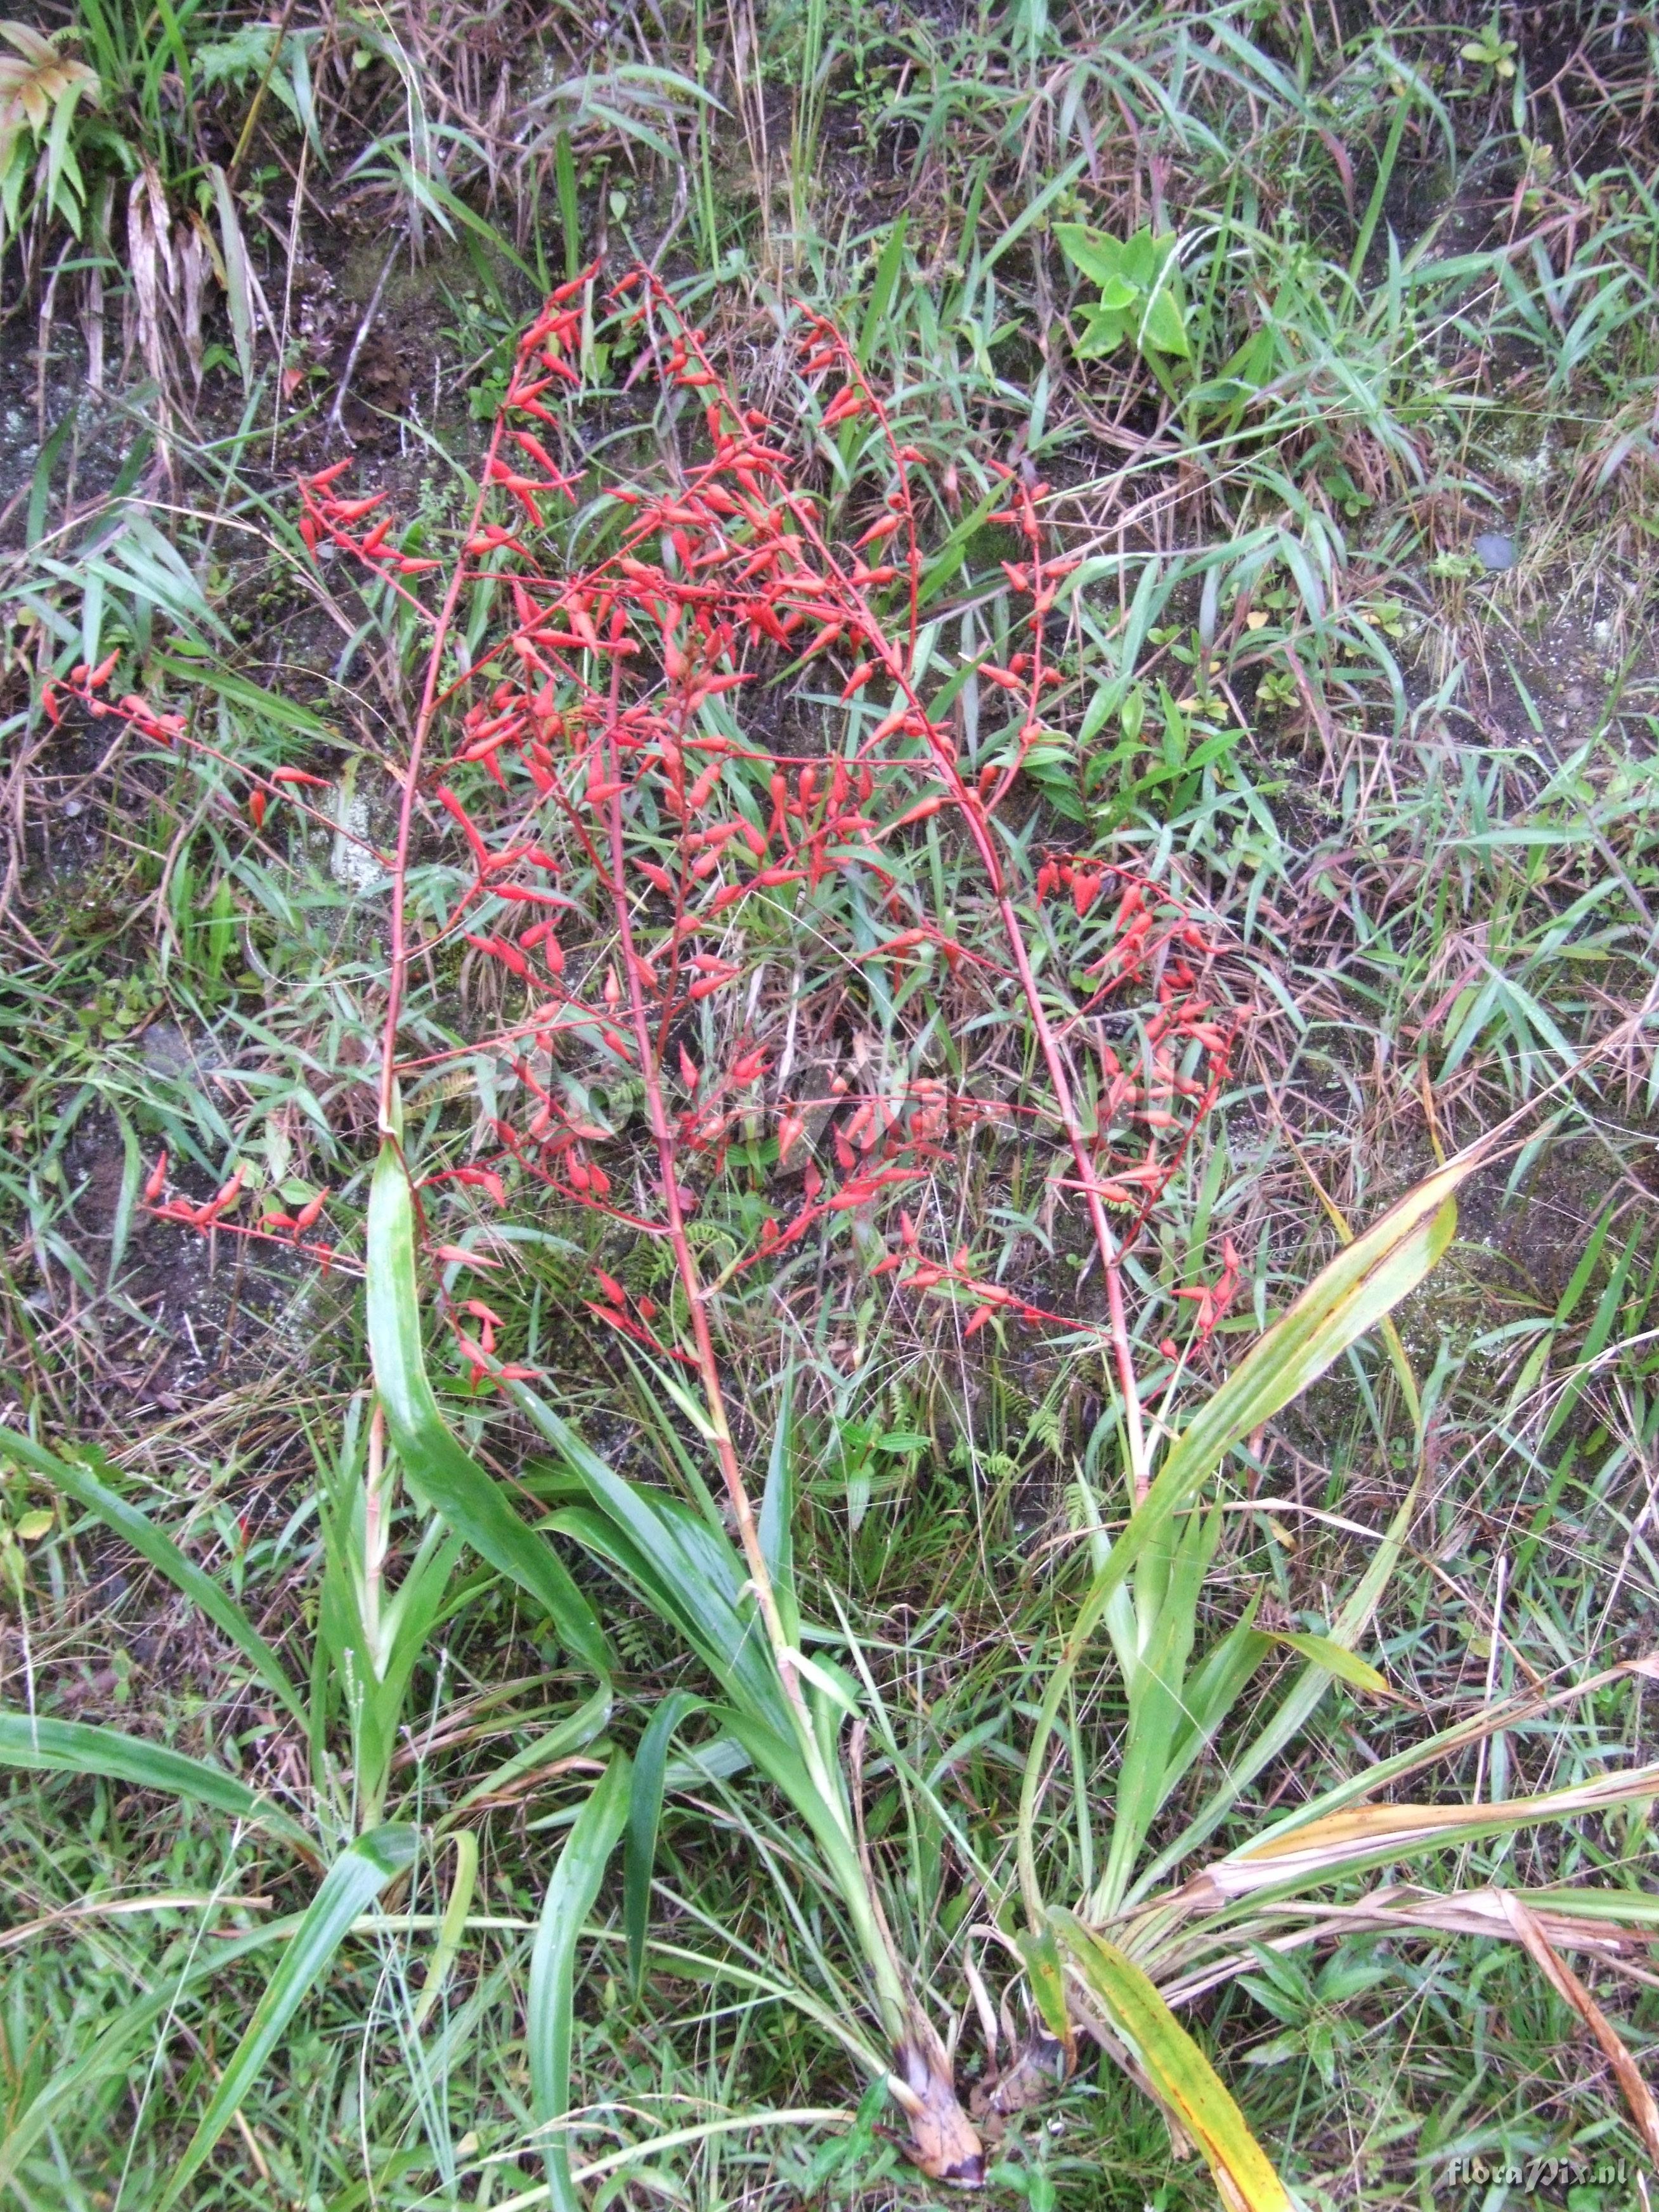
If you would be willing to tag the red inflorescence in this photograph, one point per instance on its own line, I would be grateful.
(602, 718)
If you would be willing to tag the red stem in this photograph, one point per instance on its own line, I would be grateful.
(398, 967)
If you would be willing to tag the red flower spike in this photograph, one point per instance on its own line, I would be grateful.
(452, 806)
(309, 1213)
(456, 1255)
(499, 949)
(225, 1197)
(484, 1179)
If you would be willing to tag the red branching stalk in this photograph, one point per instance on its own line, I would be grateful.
(708, 1364)
(746, 559)
(975, 809)
(553, 331)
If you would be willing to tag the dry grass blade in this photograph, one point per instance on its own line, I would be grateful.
(149, 257)
(1180, 2076)
(1607, 1927)
(1566, 1984)
(1367, 1834)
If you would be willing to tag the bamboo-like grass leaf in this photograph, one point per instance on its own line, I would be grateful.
(1350, 1295)
(570, 1894)
(351, 1884)
(154, 1544)
(51, 1747)
(1178, 2070)
(444, 1475)
(1336, 1659)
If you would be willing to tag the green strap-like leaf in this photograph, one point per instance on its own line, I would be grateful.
(1246, 1760)
(350, 1885)
(644, 1812)
(79, 1483)
(49, 1747)
(686, 1570)
(569, 1899)
(453, 1928)
(446, 1478)
(1178, 2069)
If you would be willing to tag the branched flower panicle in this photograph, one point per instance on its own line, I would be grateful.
(626, 836)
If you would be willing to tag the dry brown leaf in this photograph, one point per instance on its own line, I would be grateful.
(1566, 1984)
(33, 81)
(944, 2142)
(191, 249)
(1324, 1847)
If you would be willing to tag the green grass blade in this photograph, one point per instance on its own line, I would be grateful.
(448, 1478)
(881, 292)
(77, 2082)
(1347, 1298)
(1248, 1761)
(1336, 1659)
(79, 1483)
(777, 1510)
(269, 707)
(453, 1928)
(569, 1899)
(564, 171)
(644, 1812)
(50, 1746)
(351, 1884)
